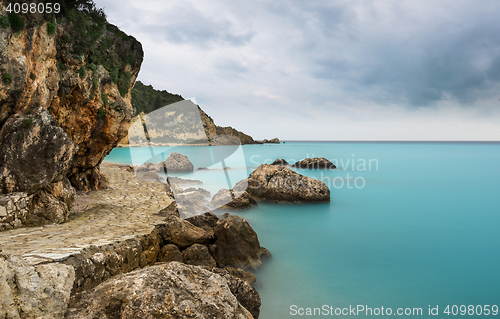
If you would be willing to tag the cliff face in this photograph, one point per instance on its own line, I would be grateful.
(146, 99)
(72, 72)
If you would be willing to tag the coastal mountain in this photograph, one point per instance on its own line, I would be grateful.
(146, 99)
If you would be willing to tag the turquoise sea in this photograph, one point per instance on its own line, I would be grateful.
(420, 228)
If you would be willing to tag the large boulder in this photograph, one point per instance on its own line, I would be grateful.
(236, 244)
(171, 290)
(177, 162)
(280, 161)
(191, 201)
(41, 291)
(279, 183)
(226, 199)
(34, 152)
(182, 233)
(315, 163)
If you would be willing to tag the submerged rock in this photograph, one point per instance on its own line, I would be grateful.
(279, 183)
(315, 163)
(177, 162)
(172, 290)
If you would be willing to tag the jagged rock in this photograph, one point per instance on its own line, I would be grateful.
(198, 255)
(315, 163)
(241, 274)
(183, 234)
(206, 221)
(170, 210)
(265, 141)
(274, 140)
(280, 161)
(236, 244)
(41, 291)
(171, 290)
(177, 162)
(169, 253)
(242, 290)
(279, 183)
(225, 199)
(34, 152)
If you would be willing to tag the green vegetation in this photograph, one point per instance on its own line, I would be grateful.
(104, 98)
(124, 82)
(27, 123)
(16, 22)
(101, 113)
(92, 67)
(32, 76)
(51, 28)
(146, 99)
(82, 72)
(4, 22)
(61, 67)
(7, 78)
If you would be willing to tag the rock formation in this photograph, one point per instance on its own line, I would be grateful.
(236, 244)
(279, 183)
(280, 161)
(178, 163)
(65, 94)
(162, 291)
(315, 163)
(226, 199)
(41, 291)
(272, 141)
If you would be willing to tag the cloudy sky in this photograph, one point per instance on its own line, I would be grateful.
(327, 70)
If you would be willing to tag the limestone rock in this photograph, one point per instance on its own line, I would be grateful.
(34, 152)
(274, 140)
(41, 291)
(171, 290)
(183, 181)
(226, 199)
(236, 244)
(315, 163)
(206, 221)
(279, 183)
(169, 253)
(191, 201)
(177, 162)
(198, 255)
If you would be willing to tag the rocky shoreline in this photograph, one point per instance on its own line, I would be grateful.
(85, 261)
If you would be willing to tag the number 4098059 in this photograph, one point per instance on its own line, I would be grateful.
(33, 7)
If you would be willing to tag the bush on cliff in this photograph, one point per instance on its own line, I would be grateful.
(7, 78)
(51, 28)
(16, 22)
(4, 22)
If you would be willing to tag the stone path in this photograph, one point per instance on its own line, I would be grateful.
(125, 210)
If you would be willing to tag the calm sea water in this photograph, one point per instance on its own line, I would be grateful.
(420, 228)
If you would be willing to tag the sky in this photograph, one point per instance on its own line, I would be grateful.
(326, 70)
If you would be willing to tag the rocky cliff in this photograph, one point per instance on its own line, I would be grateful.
(146, 99)
(65, 103)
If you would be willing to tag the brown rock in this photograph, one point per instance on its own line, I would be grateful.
(169, 253)
(198, 255)
(183, 234)
(226, 199)
(236, 244)
(171, 290)
(278, 183)
(315, 163)
(280, 161)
